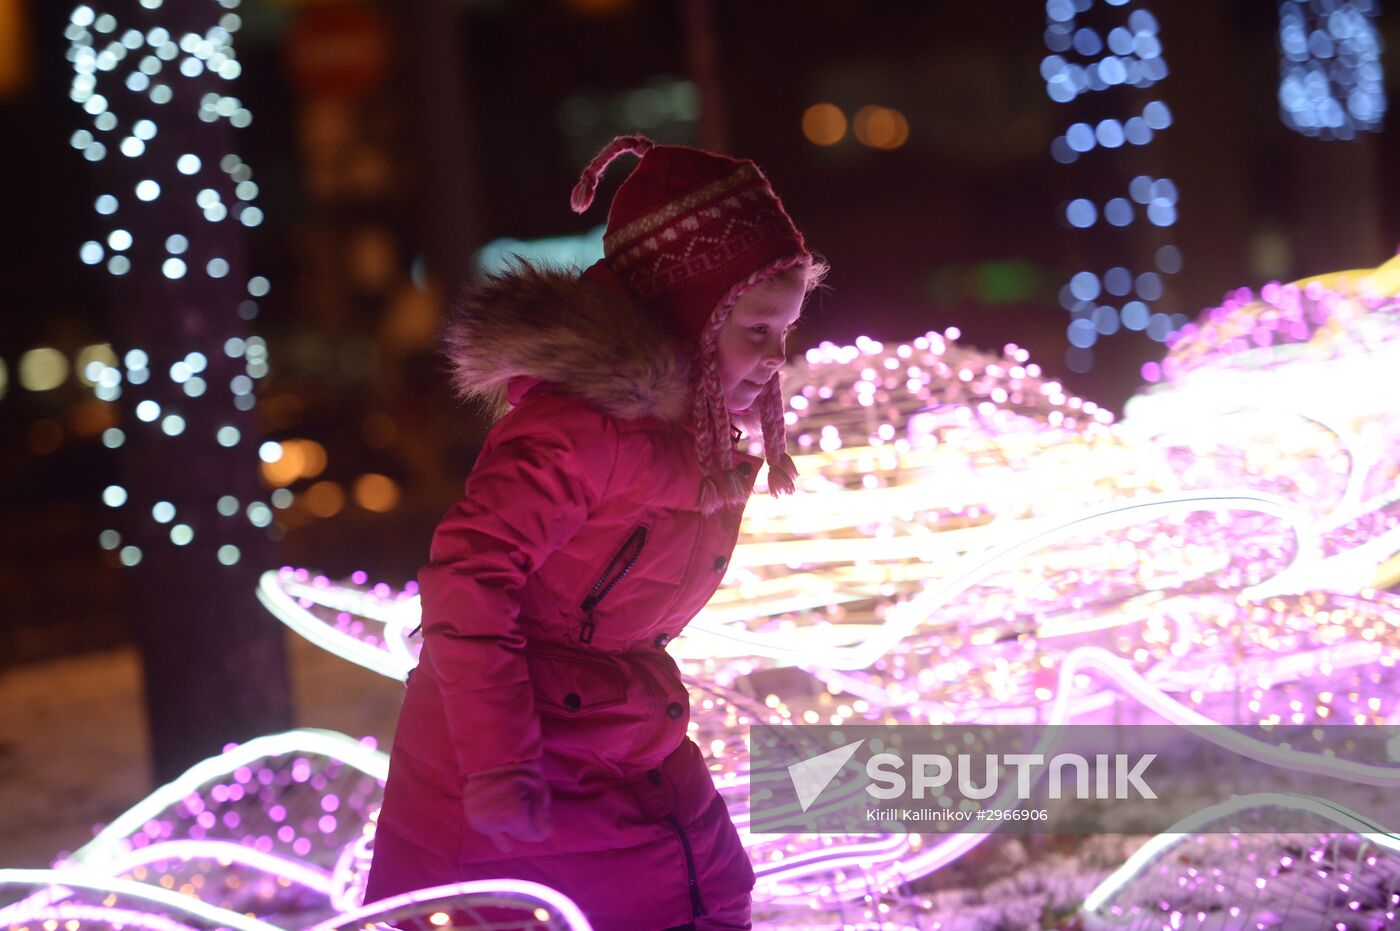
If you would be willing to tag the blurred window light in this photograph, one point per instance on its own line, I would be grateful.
(880, 127)
(824, 124)
(1330, 79)
(578, 251)
(42, 369)
(377, 493)
(324, 499)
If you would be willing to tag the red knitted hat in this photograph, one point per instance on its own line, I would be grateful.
(686, 225)
(689, 232)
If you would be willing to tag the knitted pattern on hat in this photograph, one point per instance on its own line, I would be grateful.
(690, 233)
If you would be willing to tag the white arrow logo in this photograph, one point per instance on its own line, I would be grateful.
(813, 775)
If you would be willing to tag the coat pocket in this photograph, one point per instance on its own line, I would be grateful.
(575, 683)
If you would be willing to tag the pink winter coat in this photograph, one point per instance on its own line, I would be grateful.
(577, 553)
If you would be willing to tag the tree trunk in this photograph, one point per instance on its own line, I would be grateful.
(213, 659)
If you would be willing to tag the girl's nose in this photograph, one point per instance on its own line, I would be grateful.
(775, 354)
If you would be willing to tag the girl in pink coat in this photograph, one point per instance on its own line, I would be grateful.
(543, 734)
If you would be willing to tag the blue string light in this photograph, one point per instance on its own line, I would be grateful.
(1084, 60)
(1330, 80)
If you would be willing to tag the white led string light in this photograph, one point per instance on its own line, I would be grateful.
(112, 61)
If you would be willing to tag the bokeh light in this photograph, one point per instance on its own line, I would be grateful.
(375, 492)
(42, 369)
(1331, 83)
(824, 124)
(1085, 60)
(880, 127)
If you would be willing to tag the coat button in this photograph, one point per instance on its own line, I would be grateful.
(572, 701)
(662, 640)
(745, 467)
(674, 710)
(654, 776)
(721, 563)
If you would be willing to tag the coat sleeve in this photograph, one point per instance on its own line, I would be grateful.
(544, 468)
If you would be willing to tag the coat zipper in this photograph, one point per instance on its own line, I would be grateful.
(621, 564)
(696, 906)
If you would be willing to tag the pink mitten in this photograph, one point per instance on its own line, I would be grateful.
(508, 802)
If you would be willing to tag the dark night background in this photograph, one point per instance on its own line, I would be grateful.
(390, 141)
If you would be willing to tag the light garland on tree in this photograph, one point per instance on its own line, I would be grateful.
(1331, 84)
(115, 62)
(1102, 303)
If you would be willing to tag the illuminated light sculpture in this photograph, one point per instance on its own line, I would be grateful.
(1334, 869)
(974, 545)
(1086, 60)
(1331, 85)
(275, 829)
(81, 899)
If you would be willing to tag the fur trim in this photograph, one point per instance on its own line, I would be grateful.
(547, 323)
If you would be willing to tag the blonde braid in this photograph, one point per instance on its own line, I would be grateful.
(782, 471)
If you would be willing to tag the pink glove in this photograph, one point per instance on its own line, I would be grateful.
(508, 802)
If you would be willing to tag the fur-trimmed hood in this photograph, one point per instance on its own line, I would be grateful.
(586, 340)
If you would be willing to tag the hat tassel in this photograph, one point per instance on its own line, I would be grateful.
(588, 183)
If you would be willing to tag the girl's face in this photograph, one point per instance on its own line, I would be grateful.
(753, 341)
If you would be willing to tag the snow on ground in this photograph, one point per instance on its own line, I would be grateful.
(74, 751)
